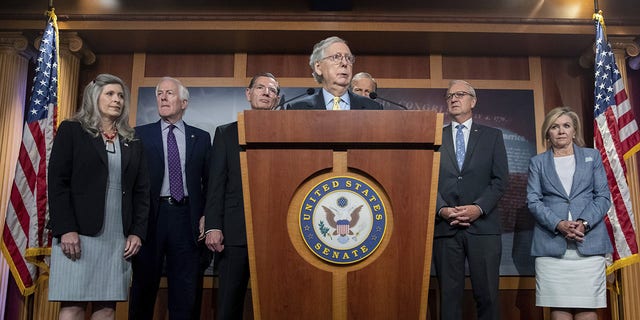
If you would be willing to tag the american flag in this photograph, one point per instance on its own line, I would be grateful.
(25, 239)
(617, 138)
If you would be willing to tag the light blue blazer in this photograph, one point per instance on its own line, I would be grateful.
(588, 200)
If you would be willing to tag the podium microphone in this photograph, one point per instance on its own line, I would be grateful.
(374, 96)
(308, 92)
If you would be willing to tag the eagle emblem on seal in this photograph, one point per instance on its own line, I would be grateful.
(342, 226)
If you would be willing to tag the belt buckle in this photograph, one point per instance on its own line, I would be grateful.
(172, 201)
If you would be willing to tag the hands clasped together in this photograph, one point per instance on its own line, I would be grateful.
(571, 230)
(461, 216)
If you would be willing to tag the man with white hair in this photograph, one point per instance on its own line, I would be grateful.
(332, 66)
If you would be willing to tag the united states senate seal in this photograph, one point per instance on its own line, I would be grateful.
(343, 219)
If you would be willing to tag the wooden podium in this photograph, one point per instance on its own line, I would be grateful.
(339, 208)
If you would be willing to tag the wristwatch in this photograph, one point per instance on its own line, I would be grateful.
(586, 225)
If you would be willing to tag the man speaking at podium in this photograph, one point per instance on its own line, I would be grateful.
(332, 65)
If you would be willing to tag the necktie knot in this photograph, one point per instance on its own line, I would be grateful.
(336, 103)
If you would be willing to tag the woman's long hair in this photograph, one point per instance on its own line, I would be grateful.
(89, 114)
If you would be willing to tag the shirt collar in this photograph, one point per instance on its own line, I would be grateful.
(467, 124)
(179, 125)
(328, 98)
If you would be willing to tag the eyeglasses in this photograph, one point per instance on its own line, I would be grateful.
(270, 90)
(458, 95)
(337, 58)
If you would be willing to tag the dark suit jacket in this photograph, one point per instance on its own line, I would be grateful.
(316, 101)
(483, 179)
(78, 172)
(225, 205)
(198, 144)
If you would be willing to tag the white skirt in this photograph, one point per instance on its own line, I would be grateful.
(572, 281)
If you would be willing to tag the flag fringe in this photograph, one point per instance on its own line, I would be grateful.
(24, 290)
(632, 151)
(623, 262)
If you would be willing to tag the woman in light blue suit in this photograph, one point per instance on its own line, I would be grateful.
(568, 195)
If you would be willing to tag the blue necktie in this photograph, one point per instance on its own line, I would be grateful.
(175, 169)
(460, 151)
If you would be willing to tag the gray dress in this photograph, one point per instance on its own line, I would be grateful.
(101, 273)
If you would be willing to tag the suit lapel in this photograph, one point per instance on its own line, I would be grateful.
(353, 102)
(190, 140)
(126, 154)
(581, 169)
(156, 143)
(319, 101)
(98, 144)
(552, 174)
(474, 136)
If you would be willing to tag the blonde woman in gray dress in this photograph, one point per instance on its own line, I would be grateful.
(99, 203)
(568, 195)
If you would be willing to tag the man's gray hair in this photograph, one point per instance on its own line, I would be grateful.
(183, 92)
(318, 54)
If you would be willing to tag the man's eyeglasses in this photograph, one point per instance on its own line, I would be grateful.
(458, 95)
(337, 58)
(270, 90)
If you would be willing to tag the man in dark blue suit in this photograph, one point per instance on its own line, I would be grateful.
(473, 176)
(177, 156)
(225, 225)
(332, 65)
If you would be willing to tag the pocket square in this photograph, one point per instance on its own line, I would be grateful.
(588, 159)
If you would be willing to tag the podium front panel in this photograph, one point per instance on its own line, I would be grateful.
(294, 273)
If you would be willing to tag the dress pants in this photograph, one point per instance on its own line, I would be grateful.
(233, 274)
(483, 253)
(171, 239)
